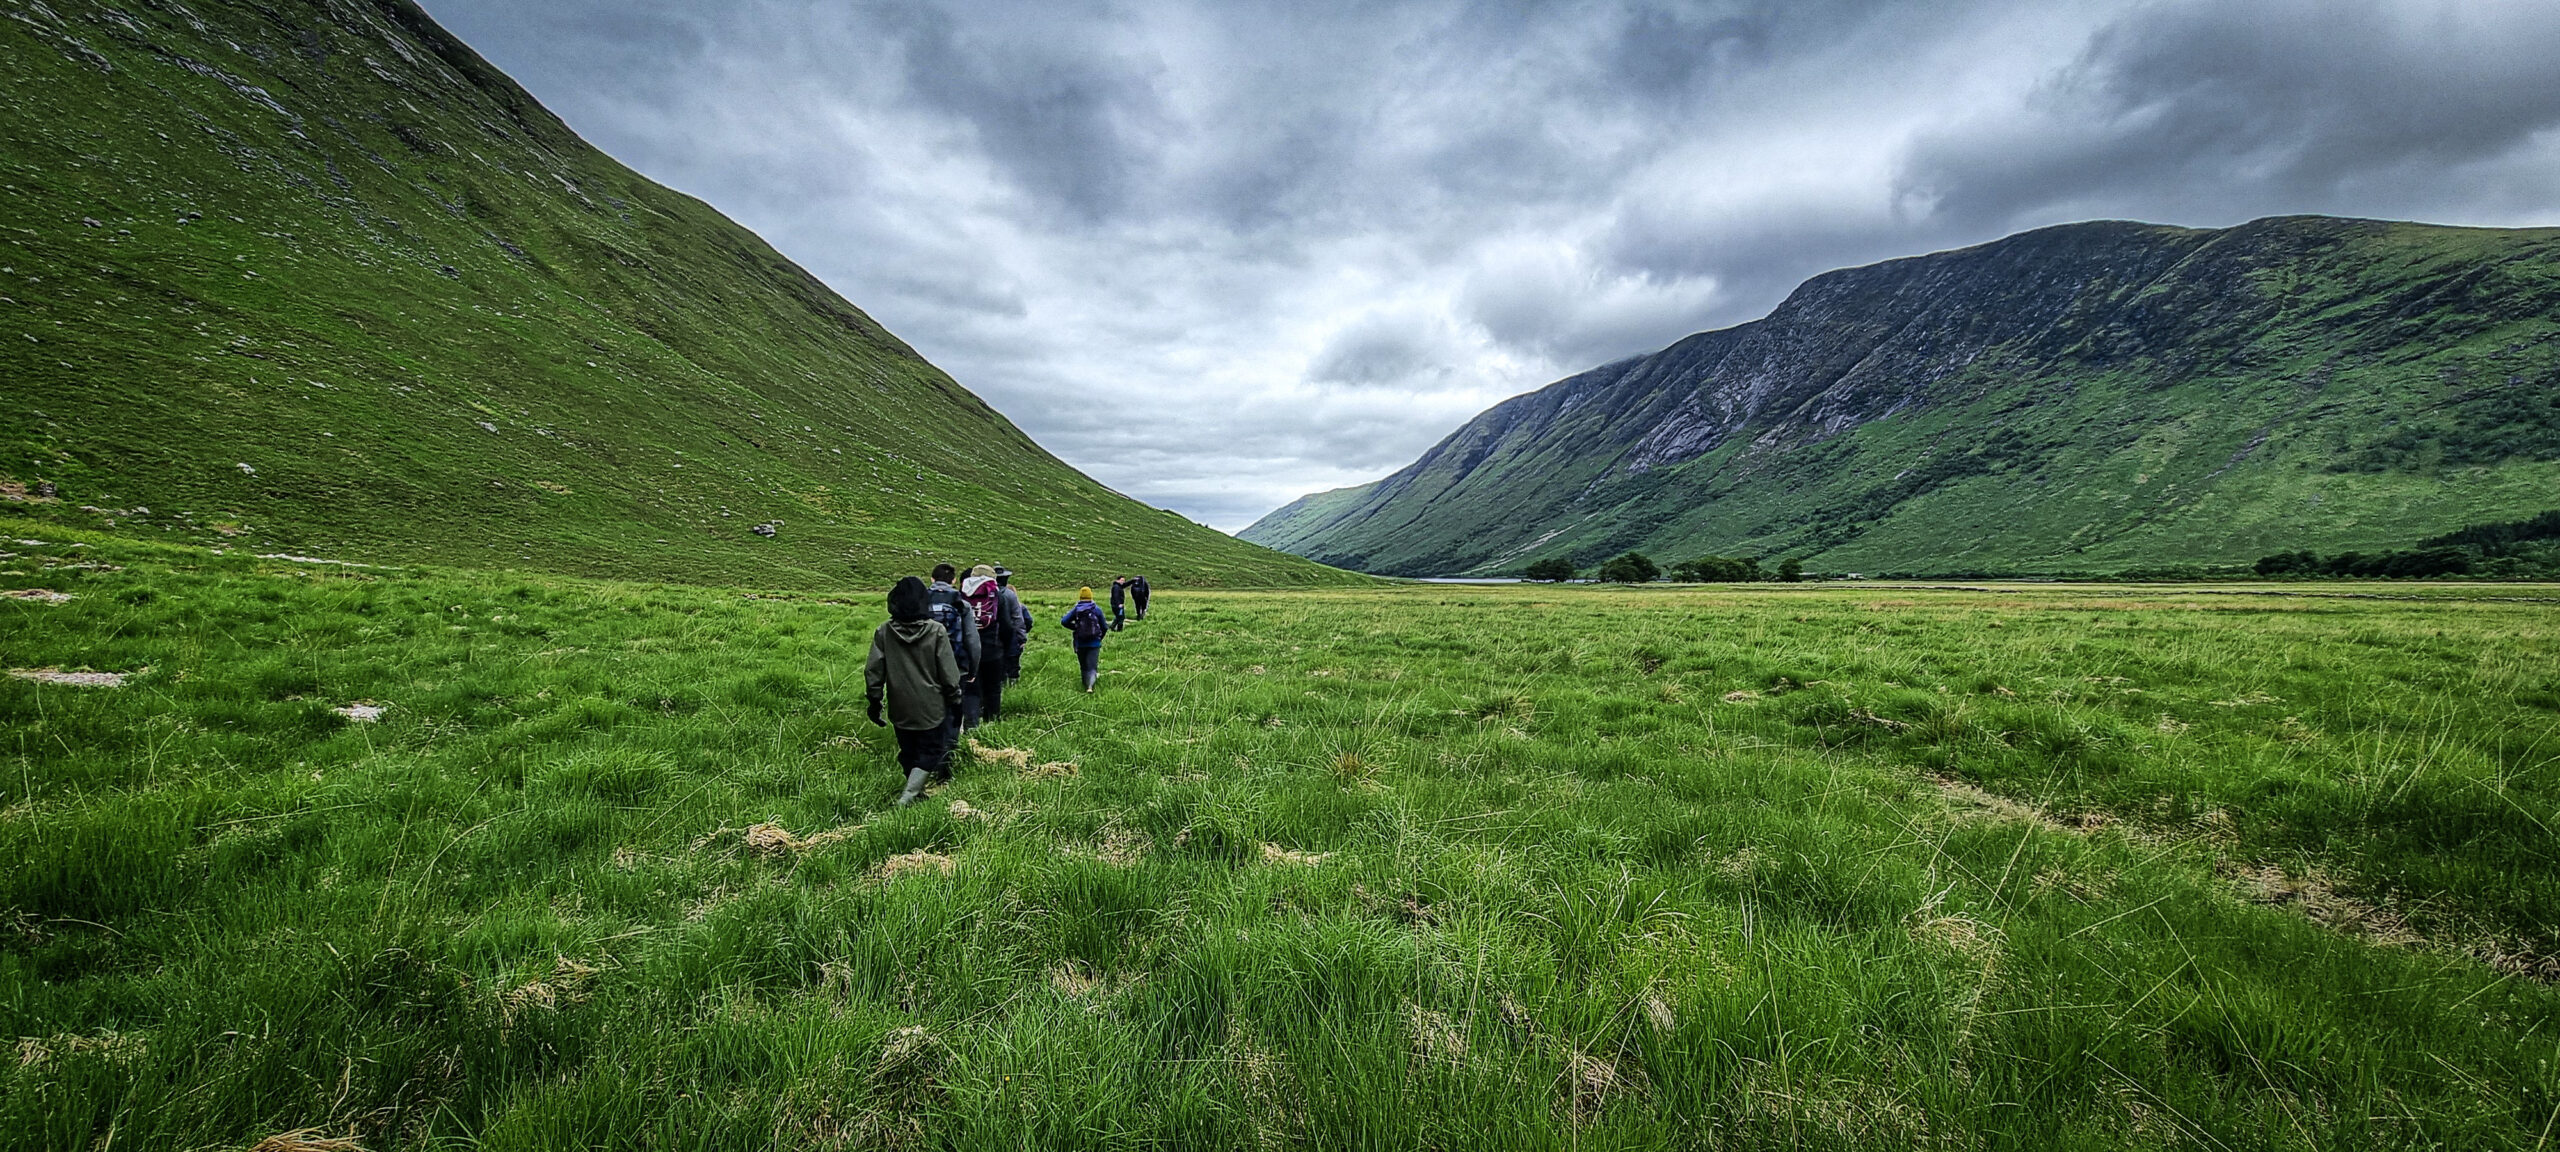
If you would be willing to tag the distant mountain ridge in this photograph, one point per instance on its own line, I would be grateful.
(2085, 397)
(310, 275)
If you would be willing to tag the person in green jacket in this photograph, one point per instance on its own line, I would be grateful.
(912, 664)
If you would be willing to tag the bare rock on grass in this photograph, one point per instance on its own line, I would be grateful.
(39, 596)
(74, 679)
(360, 712)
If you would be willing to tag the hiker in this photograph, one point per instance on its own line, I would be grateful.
(1084, 622)
(911, 663)
(1138, 595)
(949, 609)
(998, 628)
(1119, 602)
(1009, 603)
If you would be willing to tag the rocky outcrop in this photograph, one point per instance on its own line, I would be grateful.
(2091, 394)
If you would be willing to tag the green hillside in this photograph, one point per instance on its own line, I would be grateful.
(316, 277)
(2093, 397)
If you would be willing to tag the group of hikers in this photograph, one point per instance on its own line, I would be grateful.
(939, 667)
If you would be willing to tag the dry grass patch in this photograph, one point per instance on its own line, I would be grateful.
(916, 861)
(1017, 758)
(1437, 1039)
(1591, 1083)
(39, 596)
(1275, 854)
(567, 983)
(73, 679)
(771, 840)
(113, 1047)
(1970, 802)
(2315, 896)
(307, 1140)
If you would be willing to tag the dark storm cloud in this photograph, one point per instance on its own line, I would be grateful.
(2283, 105)
(1221, 255)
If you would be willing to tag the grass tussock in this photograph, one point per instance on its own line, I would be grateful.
(618, 865)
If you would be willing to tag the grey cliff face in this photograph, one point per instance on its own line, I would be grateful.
(1873, 387)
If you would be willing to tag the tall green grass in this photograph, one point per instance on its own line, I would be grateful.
(1512, 867)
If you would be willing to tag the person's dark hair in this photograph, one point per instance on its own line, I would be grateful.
(944, 572)
(906, 600)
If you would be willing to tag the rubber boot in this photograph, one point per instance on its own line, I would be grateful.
(915, 787)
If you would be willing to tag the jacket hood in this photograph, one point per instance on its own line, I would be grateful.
(906, 601)
(913, 631)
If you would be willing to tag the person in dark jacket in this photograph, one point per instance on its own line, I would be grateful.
(1018, 637)
(1119, 602)
(1085, 624)
(911, 664)
(997, 634)
(1138, 595)
(951, 610)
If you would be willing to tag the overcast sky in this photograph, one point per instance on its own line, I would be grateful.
(1219, 255)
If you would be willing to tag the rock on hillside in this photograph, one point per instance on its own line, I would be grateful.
(2086, 397)
(312, 274)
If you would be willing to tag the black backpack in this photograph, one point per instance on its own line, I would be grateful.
(944, 606)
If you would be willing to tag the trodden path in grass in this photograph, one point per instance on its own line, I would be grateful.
(615, 867)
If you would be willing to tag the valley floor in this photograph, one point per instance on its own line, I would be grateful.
(1439, 866)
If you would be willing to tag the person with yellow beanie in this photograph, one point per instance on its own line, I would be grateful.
(1085, 624)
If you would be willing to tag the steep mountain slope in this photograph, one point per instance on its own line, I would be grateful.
(2087, 397)
(311, 274)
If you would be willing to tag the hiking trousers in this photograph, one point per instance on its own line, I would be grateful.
(989, 697)
(924, 748)
(1090, 660)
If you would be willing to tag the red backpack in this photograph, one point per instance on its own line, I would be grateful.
(982, 604)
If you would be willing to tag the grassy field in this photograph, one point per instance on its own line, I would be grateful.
(313, 277)
(1415, 867)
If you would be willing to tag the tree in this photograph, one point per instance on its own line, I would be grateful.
(1631, 568)
(1791, 571)
(1717, 570)
(1553, 570)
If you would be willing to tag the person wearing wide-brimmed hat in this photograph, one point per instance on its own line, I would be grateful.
(1018, 636)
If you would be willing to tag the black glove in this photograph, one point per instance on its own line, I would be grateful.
(875, 715)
